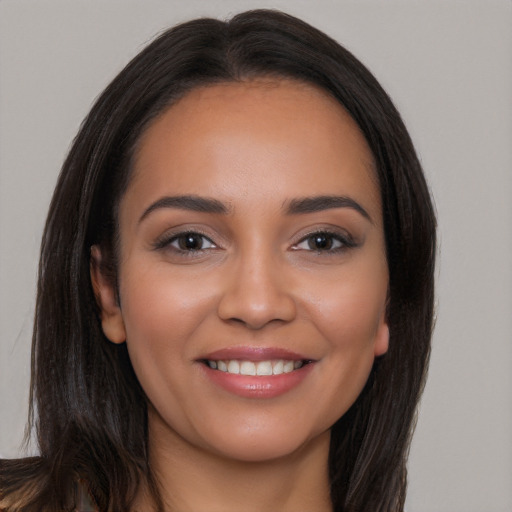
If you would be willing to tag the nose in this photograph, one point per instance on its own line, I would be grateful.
(257, 293)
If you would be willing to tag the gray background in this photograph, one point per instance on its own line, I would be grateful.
(448, 66)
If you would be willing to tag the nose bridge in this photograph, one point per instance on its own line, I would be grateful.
(256, 292)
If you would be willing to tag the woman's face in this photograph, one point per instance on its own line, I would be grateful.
(251, 241)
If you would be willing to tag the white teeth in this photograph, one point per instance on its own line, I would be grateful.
(277, 369)
(288, 367)
(247, 368)
(237, 367)
(264, 368)
(233, 366)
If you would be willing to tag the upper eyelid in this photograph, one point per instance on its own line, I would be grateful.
(176, 237)
(345, 239)
(336, 232)
(219, 241)
(168, 237)
(183, 230)
(183, 233)
(332, 234)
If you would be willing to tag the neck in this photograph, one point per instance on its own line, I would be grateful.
(191, 479)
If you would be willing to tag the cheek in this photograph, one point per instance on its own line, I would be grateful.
(161, 313)
(350, 311)
(160, 302)
(351, 320)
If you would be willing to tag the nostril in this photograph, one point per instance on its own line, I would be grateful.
(254, 323)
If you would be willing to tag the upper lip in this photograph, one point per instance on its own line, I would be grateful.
(250, 353)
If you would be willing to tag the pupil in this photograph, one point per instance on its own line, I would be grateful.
(190, 241)
(320, 242)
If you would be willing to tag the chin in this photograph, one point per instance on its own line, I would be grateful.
(253, 445)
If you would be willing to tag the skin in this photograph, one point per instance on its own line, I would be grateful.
(260, 280)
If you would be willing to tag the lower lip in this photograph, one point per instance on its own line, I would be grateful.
(265, 386)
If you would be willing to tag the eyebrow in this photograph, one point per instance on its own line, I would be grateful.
(298, 206)
(188, 202)
(320, 203)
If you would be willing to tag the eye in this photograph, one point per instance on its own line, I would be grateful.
(189, 241)
(324, 241)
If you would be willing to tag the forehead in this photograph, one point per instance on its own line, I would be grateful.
(255, 140)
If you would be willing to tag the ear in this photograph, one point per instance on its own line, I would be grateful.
(382, 337)
(105, 293)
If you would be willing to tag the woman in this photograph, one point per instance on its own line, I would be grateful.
(236, 285)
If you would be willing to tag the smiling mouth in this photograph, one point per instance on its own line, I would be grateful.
(259, 368)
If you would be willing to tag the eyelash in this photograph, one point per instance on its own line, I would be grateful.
(167, 241)
(343, 242)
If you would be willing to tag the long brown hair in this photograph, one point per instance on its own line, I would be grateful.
(88, 409)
